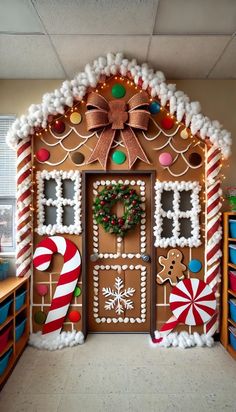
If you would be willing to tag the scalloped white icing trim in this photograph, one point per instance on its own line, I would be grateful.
(63, 340)
(179, 103)
(184, 340)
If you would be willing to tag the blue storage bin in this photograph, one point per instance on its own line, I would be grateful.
(232, 337)
(4, 310)
(4, 270)
(4, 360)
(232, 228)
(20, 300)
(232, 253)
(232, 309)
(20, 329)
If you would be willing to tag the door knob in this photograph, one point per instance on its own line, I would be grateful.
(146, 258)
(94, 257)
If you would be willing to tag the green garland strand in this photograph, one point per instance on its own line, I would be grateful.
(107, 198)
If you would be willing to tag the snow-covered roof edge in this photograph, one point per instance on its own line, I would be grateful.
(179, 103)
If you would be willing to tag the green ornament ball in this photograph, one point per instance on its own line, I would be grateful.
(77, 292)
(118, 91)
(118, 157)
(40, 317)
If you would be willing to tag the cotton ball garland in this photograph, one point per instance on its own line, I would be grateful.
(63, 340)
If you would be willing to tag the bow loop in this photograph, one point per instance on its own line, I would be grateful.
(117, 115)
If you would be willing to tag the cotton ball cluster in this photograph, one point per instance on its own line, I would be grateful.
(184, 340)
(63, 340)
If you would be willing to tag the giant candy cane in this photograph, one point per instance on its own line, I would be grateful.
(24, 199)
(67, 281)
(213, 227)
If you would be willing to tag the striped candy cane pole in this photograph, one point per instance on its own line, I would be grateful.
(213, 228)
(24, 199)
(67, 281)
(166, 329)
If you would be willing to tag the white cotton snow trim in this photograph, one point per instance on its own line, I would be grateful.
(63, 340)
(179, 103)
(185, 340)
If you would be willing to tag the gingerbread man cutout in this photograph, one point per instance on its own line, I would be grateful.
(173, 267)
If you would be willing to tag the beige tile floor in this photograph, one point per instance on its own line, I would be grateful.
(122, 373)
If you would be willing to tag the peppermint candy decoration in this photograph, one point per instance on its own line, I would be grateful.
(192, 302)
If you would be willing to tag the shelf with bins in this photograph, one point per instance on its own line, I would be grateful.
(14, 322)
(228, 325)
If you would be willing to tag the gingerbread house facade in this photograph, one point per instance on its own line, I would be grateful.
(119, 177)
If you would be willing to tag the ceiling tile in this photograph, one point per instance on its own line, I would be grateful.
(28, 57)
(196, 17)
(97, 16)
(76, 51)
(185, 56)
(19, 17)
(226, 66)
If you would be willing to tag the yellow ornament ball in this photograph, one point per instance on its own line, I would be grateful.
(184, 134)
(75, 118)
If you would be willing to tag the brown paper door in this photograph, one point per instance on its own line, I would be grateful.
(119, 281)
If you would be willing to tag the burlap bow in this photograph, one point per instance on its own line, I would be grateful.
(117, 115)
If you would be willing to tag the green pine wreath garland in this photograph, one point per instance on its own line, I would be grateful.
(107, 198)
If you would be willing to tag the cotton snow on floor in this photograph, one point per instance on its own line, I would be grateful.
(122, 373)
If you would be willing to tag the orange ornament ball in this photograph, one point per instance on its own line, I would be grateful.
(74, 316)
(167, 123)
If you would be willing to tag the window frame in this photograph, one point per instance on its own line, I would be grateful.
(9, 250)
(176, 214)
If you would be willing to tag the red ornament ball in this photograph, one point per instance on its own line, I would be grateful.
(58, 127)
(74, 316)
(167, 123)
(113, 222)
(102, 203)
(42, 155)
(105, 219)
(121, 221)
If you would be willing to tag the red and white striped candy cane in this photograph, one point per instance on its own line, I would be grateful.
(67, 281)
(166, 329)
(213, 228)
(24, 200)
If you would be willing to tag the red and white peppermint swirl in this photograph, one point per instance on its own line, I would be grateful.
(67, 281)
(24, 199)
(192, 302)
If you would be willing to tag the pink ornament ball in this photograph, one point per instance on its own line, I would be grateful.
(165, 159)
(42, 155)
(42, 289)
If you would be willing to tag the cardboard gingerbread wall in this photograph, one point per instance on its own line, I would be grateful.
(128, 132)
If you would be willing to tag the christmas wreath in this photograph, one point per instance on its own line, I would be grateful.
(107, 198)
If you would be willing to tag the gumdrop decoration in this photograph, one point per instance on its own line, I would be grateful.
(167, 123)
(77, 292)
(40, 317)
(118, 157)
(195, 265)
(77, 158)
(42, 155)
(195, 159)
(165, 159)
(74, 316)
(184, 134)
(154, 107)
(58, 127)
(118, 91)
(42, 290)
(75, 118)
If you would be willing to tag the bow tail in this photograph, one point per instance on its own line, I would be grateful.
(133, 147)
(102, 148)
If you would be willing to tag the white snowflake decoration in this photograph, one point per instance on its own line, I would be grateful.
(119, 297)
